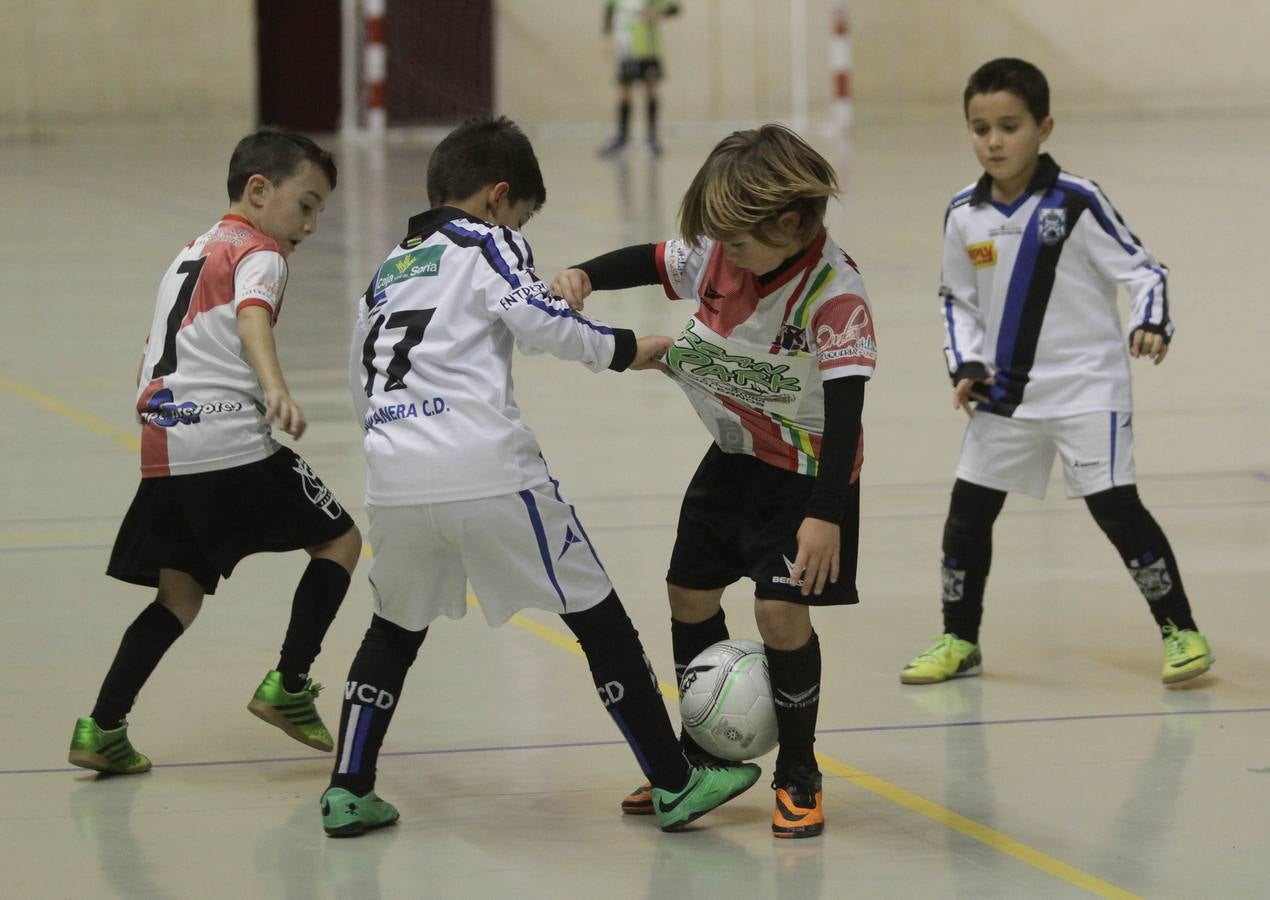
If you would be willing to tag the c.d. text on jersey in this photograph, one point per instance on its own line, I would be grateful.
(394, 412)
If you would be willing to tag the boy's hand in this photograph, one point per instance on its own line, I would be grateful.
(968, 390)
(649, 351)
(574, 286)
(817, 560)
(285, 413)
(1148, 343)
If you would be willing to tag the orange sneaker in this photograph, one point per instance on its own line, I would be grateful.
(799, 808)
(639, 802)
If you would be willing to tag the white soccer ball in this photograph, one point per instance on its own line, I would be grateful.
(725, 701)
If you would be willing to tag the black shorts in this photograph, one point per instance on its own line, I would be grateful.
(632, 70)
(740, 518)
(203, 524)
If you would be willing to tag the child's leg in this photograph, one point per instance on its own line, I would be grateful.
(650, 94)
(144, 642)
(628, 688)
(1146, 553)
(696, 622)
(793, 663)
(317, 599)
(371, 695)
(967, 556)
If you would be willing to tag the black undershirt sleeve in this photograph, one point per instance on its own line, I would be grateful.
(626, 268)
(844, 404)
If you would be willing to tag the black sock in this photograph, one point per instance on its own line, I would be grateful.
(687, 640)
(623, 120)
(317, 599)
(795, 676)
(371, 695)
(1146, 553)
(652, 119)
(967, 556)
(628, 688)
(143, 645)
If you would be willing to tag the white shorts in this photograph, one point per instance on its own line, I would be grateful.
(1016, 455)
(519, 551)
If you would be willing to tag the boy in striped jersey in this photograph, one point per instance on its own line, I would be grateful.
(774, 360)
(1033, 256)
(457, 487)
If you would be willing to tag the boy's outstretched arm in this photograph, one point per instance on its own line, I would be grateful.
(255, 329)
(628, 267)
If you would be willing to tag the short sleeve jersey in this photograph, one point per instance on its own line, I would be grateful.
(200, 402)
(431, 357)
(754, 357)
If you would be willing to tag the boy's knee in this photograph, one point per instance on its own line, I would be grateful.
(1117, 510)
(782, 625)
(692, 606)
(345, 549)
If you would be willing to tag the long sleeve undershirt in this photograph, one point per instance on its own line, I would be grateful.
(636, 265)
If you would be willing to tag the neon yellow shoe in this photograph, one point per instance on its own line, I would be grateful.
(293, 713)
(105, 751)
(948, 657)
(1186, 654)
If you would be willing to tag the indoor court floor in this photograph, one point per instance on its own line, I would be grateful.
(1067, 769)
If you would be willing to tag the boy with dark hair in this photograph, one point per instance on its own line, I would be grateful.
(457, 488)
(1033, 256)
(774, 360)
(215, 485)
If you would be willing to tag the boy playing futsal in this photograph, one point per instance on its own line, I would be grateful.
(215, 485)
(774, 360)
(1032, 259)
(457, 487)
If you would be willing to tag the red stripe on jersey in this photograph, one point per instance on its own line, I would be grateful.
(154, 440)
(769, 445)
(256, 302)
(727, 296)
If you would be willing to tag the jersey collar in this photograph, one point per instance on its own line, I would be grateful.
(1047, 172)
(791, 267)
(425, 223)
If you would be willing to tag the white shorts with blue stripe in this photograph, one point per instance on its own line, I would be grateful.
(519, 551)
(1017, 455)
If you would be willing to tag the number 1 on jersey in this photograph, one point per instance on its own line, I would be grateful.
(415, 321)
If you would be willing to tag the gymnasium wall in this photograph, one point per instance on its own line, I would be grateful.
(66, 62)
(70, 62)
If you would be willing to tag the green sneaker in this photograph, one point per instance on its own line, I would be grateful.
(344, 814)
(707, 789)
(1186, 654)
(948, 657)
(293, 713)
(105, 751)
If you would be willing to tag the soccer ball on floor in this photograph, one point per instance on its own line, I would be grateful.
(725, 701)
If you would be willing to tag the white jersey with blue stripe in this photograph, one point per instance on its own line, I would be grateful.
(1028, 291)
(430, 363)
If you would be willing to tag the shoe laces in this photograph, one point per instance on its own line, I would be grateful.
(943, 644)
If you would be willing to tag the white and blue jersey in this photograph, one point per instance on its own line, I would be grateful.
(1028, 295)
(430, 364)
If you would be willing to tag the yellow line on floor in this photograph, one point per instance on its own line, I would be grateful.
(894, 793)
(89, 421)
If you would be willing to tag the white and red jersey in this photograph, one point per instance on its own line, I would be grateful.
(754, 356)
(200, 402)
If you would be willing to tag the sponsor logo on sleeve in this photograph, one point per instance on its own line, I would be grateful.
(525, 294)
(983, 254)
(854, 341)
(414, 264)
